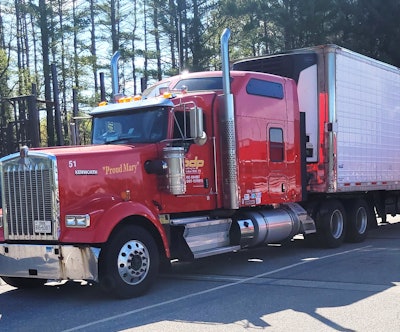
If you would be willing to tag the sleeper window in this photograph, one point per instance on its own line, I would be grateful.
(276, 145)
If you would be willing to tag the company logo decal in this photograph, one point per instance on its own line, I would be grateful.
(194, 163)
(193, 172)
(86, 172)
(122, 168)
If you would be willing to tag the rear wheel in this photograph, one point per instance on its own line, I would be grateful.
(358, 216)
(24, 282)
(129, 262)
(331, 224)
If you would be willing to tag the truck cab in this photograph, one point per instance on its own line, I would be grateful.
(266, 129)
(210, 166)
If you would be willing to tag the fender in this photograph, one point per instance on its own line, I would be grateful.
(104, 222)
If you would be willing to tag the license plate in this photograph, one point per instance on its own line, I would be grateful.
(42, 226)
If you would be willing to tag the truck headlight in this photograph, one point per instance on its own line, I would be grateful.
(77, 221)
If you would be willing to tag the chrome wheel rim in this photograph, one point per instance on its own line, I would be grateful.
(133, 262)
(336, 224)
(361, 220)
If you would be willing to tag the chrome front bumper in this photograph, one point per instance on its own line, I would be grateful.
(56, 262)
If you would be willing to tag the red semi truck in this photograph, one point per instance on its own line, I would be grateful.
(222, 161)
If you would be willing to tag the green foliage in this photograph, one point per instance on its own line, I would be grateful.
(25, 81)
(161, 38)
(262, 27)
(4, 92)
(5, 108)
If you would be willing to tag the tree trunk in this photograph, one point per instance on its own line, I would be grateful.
(145, 70)
(46, 71)
(133, 56)
(93, 46)
(157, 40)
(172, 34)
(114, 27)
(195, 32)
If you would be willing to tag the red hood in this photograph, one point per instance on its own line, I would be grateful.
(86, 149)
(97, 171)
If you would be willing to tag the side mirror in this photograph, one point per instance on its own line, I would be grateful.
(196, 126)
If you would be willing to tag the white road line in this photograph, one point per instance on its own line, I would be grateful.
(132, 312)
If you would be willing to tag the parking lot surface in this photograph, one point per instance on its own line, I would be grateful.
(274, 288)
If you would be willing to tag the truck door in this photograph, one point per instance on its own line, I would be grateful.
(277, 176)
(199, 162)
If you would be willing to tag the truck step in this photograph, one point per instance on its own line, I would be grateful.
(307, 223)
(204, 235)
(215, 251)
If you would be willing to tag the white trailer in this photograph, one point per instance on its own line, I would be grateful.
(352, 105)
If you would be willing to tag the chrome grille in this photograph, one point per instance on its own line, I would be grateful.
(30, 201)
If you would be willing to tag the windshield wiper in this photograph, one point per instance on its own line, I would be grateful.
(121, 139)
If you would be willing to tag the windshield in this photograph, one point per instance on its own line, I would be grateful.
(148, 126)
(187, 84)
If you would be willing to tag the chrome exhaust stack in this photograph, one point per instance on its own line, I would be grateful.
(114, 76)
(228, 132)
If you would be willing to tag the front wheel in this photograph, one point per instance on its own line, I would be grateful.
(129, 262)
(331, 224)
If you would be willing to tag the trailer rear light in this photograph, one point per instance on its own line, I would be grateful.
(77, 221)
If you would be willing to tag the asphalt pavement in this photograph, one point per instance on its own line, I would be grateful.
(274, 288)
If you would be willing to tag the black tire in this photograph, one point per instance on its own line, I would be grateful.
(165, 265)
(331, 224)
(358, 220)
(311, 240)
(128, 262)
(24, 282)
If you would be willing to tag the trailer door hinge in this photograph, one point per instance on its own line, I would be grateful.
(331, 127)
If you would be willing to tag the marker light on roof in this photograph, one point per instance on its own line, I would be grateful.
(137, 98)
(125, 100)
(103, 103)
(167, 95)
